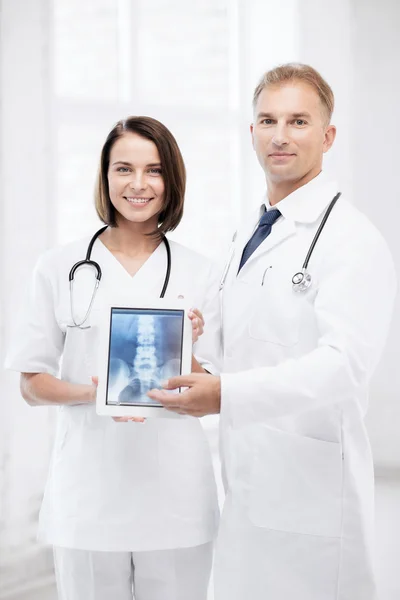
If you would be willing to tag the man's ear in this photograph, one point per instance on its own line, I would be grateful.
(252, 133)
(330, 135)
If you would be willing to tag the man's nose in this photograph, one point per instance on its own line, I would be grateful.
(280, 137)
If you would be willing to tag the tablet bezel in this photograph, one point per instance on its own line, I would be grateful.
(113, 410)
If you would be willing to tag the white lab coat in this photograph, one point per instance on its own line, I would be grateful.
(298, 517)
(118, 486)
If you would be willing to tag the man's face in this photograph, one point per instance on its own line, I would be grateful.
(290, 132)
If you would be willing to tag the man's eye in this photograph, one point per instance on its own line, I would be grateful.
(300, 122)
(266, 121)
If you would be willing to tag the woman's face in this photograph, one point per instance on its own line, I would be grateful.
(135, 180)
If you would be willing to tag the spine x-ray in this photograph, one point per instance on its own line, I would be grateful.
(145, 349)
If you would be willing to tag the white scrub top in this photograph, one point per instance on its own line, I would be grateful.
(118, 486)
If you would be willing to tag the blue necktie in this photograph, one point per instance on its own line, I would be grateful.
(263, 230)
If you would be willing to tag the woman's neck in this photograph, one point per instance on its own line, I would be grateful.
(130, 239)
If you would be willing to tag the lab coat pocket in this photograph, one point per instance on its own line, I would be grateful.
(296, 484)
(275, 317)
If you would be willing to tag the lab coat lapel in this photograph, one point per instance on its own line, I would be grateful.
(304, 205)
(244, 234)
(280, 231)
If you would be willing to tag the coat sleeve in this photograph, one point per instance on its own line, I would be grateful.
(353, 309)
(37, 341)
(208, 348)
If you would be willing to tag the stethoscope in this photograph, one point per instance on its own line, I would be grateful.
(94, 265)
(302, 280)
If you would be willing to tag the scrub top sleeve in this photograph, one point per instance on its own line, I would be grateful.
(37, 341)
(208, 348)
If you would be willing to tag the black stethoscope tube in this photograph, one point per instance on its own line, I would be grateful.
(320, 228)
(96, 266)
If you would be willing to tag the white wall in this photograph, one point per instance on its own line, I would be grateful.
(326, 43)
(375, 147)
(25, 193)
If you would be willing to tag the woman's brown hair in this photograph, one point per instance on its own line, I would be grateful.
(172, 168)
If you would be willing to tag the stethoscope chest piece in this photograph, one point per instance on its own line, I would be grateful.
(301, 281)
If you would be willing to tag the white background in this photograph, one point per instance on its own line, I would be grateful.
(70, 69)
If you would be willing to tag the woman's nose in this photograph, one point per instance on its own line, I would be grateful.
(137, 182)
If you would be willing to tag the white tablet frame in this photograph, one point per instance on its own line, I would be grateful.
(113, 410)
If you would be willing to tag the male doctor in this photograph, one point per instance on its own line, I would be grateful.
(298, 516)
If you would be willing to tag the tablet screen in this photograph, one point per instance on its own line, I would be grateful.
(145, 348)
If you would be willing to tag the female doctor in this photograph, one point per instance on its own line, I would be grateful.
(130, 508)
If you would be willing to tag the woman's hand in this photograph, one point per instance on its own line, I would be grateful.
(95, 383)
(197, 320)
(126, 419)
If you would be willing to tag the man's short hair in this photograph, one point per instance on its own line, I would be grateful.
(293, 72)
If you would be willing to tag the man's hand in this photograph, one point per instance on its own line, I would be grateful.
(202, 398)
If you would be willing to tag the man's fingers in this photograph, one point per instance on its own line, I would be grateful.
(160, 396)
(168, 400)
(174, 383)
(176, 410)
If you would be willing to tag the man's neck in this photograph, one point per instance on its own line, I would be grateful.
(278, 190)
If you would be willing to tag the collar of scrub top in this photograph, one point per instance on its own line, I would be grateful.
(305, 205)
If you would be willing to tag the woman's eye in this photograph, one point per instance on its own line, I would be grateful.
(122, 169)
(155, 171)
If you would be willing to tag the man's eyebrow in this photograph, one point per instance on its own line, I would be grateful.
(301, 114)
(266, 115)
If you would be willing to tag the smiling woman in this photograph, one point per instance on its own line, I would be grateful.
(141, 164)
(138, 182)
(143, 515)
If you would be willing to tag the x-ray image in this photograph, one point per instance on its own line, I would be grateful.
(145, 349)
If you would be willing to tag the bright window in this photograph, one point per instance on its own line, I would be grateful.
(172, 60)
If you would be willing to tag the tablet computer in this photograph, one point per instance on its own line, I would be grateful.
(142, 344)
